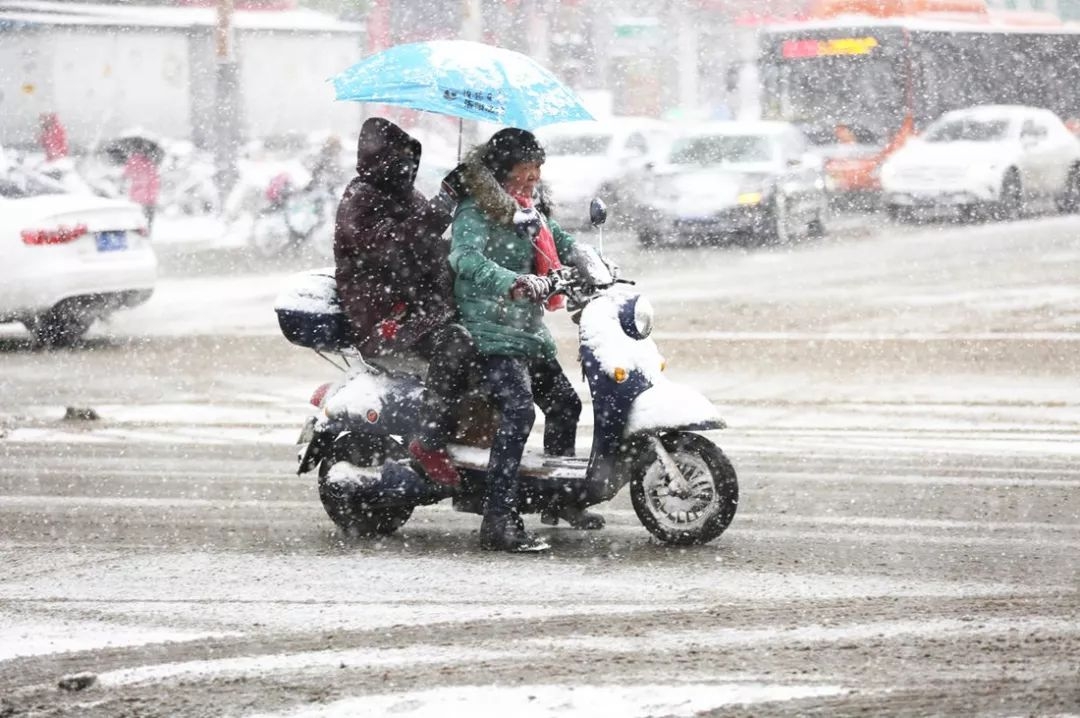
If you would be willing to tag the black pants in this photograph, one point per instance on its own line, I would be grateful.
(452, 358)
(148, 212)
(515, 384)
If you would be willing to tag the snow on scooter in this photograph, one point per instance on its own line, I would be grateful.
(683, 489)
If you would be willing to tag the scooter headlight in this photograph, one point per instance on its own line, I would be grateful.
(636, 317)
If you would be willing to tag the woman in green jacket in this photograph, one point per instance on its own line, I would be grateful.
(501, 250)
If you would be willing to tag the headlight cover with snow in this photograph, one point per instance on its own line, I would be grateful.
(636, 317)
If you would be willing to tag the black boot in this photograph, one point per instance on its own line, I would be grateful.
(578, 518)
(506, 532)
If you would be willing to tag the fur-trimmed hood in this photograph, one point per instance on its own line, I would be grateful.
(494, 201)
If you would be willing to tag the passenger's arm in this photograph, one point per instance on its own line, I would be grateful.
(467, 258)
(374, 232)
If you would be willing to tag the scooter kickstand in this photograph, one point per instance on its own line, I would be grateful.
(677, 484)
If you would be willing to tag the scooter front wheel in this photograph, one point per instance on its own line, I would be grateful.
(694, 508)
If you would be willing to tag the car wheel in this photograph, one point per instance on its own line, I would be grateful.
(971, 214)
(778, 228)
(1069, 201)
(1010, 204)
(899, 213)
(61, 326)
(816, 228)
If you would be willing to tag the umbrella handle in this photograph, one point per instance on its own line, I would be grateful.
(460, 132)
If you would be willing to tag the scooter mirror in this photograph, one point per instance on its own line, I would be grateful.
(597, 212)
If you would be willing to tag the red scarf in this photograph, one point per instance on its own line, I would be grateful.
(546, 257)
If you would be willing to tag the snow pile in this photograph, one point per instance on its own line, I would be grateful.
(311, 292)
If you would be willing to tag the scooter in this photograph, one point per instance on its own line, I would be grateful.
(683, 488)
(291, 216)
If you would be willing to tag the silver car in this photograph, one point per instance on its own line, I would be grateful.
(755, 180)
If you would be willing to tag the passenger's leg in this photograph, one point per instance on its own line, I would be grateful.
(502, 529)
(452, 356)
(561, 406)
(453, 359)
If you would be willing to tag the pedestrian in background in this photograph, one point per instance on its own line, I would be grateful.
(53, 137)
(144, 183)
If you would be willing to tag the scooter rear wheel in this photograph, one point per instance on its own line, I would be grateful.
(340, 500)
(697, 514)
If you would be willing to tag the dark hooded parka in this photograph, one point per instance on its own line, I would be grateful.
(388, 249)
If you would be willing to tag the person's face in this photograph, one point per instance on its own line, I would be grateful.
(403, 164)
(523, 178)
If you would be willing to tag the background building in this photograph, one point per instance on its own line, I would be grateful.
(106, 68)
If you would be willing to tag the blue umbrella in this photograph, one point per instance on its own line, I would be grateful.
(462, 79)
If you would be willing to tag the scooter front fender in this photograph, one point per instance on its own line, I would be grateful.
(669, 406)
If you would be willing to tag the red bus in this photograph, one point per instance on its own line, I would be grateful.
(860, 76)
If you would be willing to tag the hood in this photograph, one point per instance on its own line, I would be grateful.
(491, 198)
(496, 204)
(951, 154)
(709, 188)
(387, 157)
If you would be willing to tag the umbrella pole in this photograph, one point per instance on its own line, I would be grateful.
(460, 132)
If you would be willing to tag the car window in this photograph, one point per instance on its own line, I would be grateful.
(636, 144)
(1033, 129)
(578, 145)
(721, 149)
(17, 183)
(967, 129)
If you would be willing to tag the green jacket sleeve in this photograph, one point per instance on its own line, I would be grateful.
(564, 241)
(467, 258)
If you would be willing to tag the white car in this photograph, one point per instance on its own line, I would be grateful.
(758, 180)
(606, 159)
(988, 158)
(68, 259)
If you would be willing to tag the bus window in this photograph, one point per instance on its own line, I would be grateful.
(864, 95)
(851, 82)
(955, 70)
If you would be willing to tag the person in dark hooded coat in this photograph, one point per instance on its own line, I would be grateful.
(393, 277)
(391, 266)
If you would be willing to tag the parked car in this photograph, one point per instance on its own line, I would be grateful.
(723, 179)
(985, 160)
(606, 159)
(67, 259)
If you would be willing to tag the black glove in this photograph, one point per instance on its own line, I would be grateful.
(454, 183)
(532, 287)
(527, 222)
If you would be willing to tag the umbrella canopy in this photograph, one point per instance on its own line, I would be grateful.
(463, 79)
(120, 149)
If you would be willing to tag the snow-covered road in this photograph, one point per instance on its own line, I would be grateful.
(905, 421)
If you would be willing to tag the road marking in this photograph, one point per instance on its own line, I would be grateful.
(561, 701)
(673, 640)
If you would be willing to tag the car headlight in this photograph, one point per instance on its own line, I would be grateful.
(636, 317)
(746, 198)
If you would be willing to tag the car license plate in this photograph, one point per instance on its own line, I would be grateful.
(114, 241)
